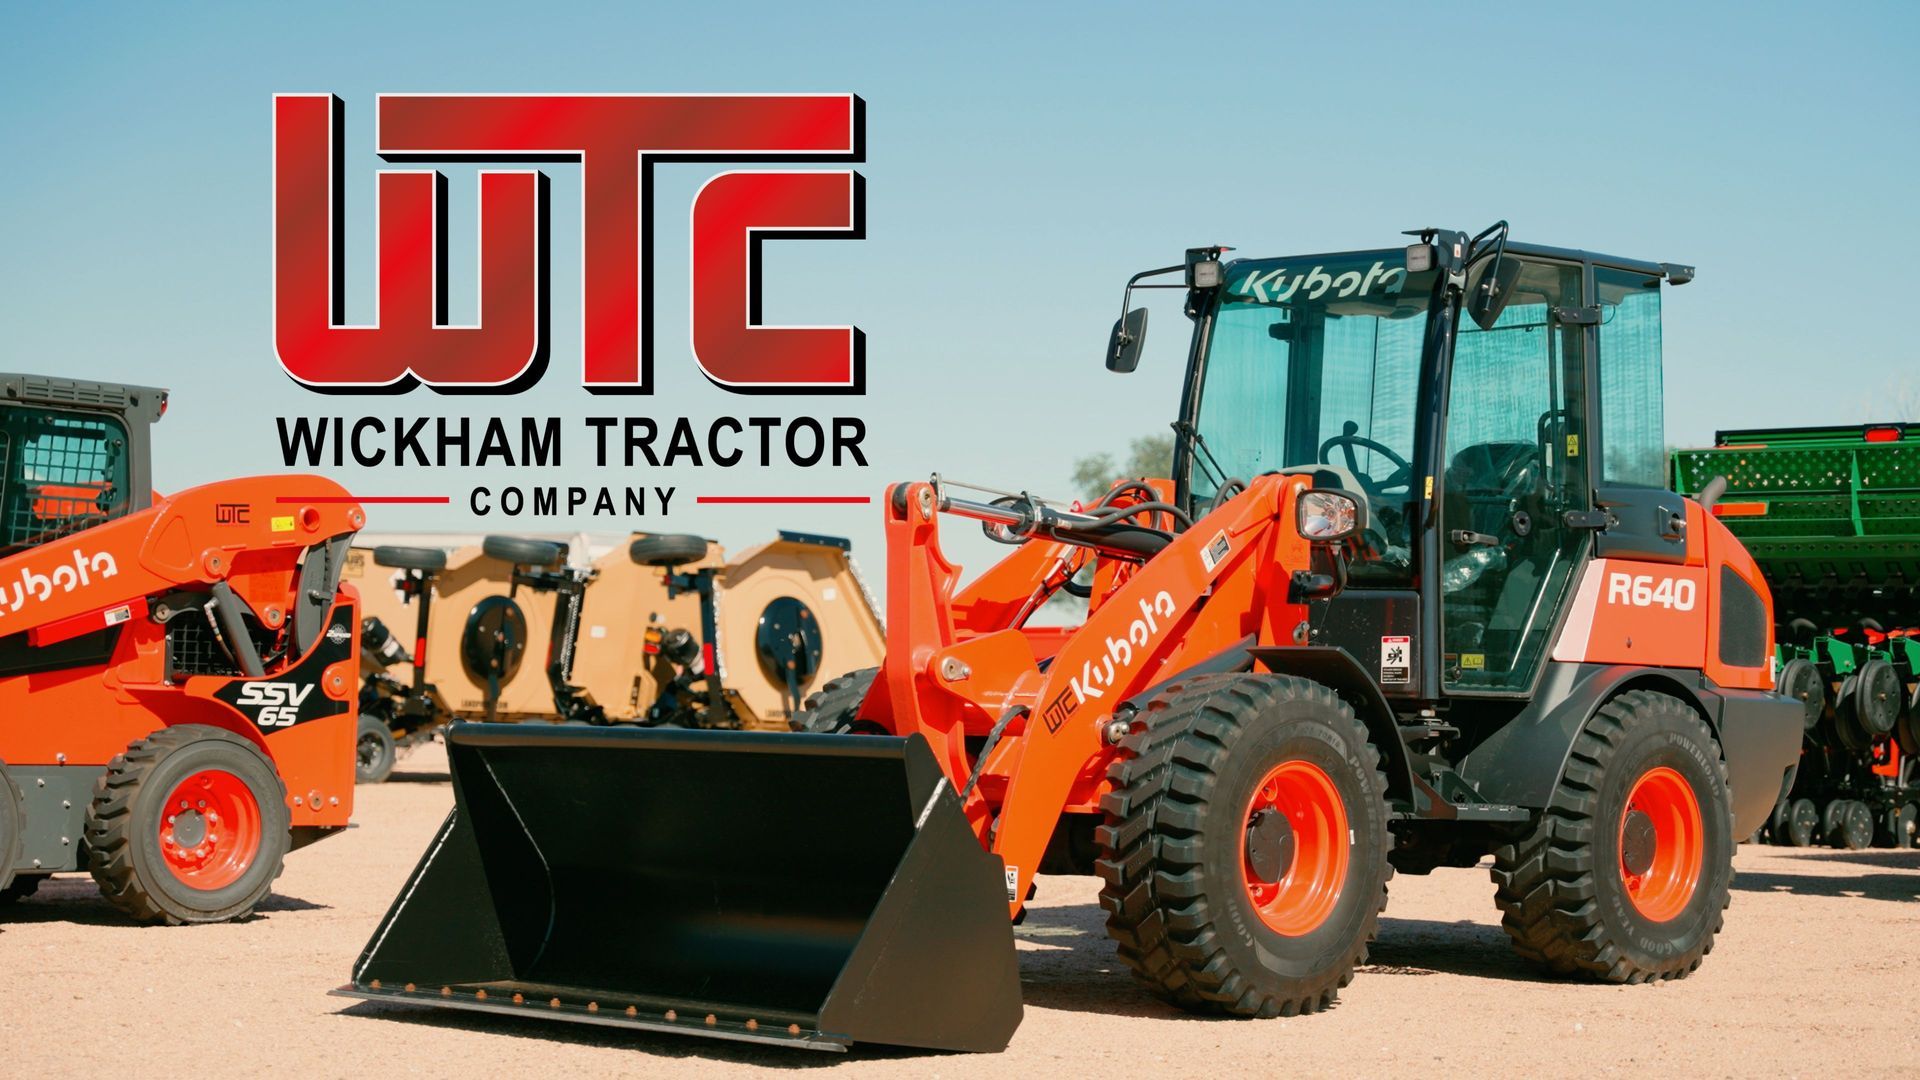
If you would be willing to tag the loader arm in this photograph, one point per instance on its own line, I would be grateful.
(1055, 746)
(195, 536)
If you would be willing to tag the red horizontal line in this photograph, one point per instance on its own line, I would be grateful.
(364, 499)
(784, 499)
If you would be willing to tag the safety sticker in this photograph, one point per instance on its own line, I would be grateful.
(116, 616)
(1215, 550)
(1473, 661)
(1396, 661)
(283, 524)
(1013, 883)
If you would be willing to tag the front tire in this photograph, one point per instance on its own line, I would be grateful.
(1627, 876)
(1244, 848)
(375, 751)
(190, 825)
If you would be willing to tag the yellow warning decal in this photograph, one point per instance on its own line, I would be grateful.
(283, 524)
(1429, 487)
(1473, 661)
(1573, 446)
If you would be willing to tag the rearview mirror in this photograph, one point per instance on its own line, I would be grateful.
(1490, 296)
(1129, 336)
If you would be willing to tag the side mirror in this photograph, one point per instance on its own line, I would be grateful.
(1491, 294)
(1129, 337)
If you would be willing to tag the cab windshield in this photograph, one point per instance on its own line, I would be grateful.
(1313, 364)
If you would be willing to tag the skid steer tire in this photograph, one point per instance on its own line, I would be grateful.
(1598, 889)
(667, 549)
(375, 752)
(833, 709)
(1229, 881)
(209, 861)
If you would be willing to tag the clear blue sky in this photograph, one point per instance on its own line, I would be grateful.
(1022, 161)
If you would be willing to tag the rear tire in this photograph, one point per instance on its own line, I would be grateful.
(1203, 913)
(1587, 894)
(375, 752)
(209, 861)
(834, 709)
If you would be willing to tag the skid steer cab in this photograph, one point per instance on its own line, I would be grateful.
(1414, 595)
(177, 673)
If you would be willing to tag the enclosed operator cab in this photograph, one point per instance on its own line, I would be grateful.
(1522, 555)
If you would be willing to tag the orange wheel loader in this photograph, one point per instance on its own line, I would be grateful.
(1415, 595)
(177, 673)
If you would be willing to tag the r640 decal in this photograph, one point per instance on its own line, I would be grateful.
(616, 139)
(1644, 590)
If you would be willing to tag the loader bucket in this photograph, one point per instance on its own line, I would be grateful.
(803, 890)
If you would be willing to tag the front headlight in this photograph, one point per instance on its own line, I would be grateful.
(1327, 516)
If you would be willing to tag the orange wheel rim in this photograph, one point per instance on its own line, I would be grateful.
(1662, 844)
(1295, 886)
(210, 829)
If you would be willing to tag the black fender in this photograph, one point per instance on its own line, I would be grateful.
(1521, 763)
(1336, 668)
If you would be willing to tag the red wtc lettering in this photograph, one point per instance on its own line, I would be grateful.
(616, 139)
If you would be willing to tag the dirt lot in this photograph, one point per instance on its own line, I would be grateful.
(1814, 975)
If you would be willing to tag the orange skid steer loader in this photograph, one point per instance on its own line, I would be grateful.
(177, 673)
(1413, 596)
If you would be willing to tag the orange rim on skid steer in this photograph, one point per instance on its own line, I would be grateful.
(1306, 799)
(1661, 860)
(211, 832)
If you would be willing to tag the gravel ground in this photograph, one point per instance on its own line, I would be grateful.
(1814, 975)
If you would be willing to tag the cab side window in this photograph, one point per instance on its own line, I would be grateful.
(1632, 418)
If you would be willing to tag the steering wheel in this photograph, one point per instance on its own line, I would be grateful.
(1347, 440)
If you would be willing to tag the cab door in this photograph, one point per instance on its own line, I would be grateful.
(1514, 464)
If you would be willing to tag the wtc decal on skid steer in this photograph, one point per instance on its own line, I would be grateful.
(1243, 742)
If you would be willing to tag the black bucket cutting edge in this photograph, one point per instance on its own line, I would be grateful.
(787, 889)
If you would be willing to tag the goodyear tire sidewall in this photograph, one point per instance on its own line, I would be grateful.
(1646, 747)
(1303, 731)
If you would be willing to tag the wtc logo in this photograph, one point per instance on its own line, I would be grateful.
(616, 139)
